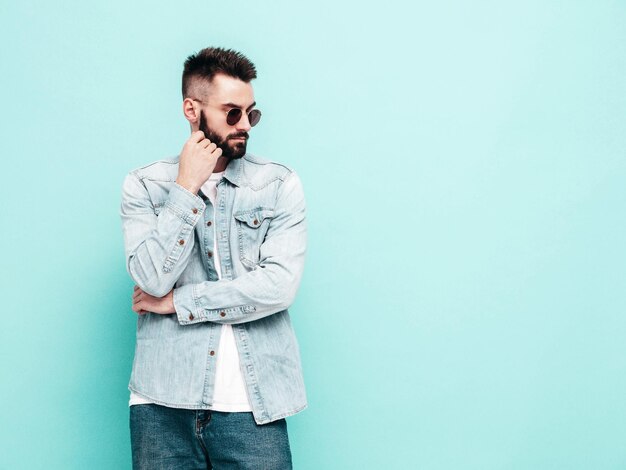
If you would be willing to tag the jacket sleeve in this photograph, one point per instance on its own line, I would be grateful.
(270, 287)
(157, 246)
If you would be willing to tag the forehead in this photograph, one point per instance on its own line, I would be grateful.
(226, 89)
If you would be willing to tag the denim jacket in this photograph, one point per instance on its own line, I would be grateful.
(259, 218)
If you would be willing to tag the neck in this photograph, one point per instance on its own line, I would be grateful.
(221, 164)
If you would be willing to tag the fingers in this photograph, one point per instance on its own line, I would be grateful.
(138, 308)
(212, 148)
(208, 145)
(196, 137)
(137, 298)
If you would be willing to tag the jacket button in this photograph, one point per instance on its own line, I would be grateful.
(255, 222)
(209, 223)
(212, 353)
(181, 242)
(191, 316)
(222, 314)
(209, 254)
(194, 210)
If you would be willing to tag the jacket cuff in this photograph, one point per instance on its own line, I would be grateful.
(188, 311)
(186, 205)
(185, 305)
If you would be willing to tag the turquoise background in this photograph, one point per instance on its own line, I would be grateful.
(463, 302)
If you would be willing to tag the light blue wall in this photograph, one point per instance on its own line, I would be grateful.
(464, 163)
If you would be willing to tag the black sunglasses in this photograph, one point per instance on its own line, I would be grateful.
(234, 115)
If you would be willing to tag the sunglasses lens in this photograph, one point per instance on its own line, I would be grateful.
(254, 117)
(233, 116)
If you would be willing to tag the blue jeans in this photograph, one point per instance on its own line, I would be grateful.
(174, 438)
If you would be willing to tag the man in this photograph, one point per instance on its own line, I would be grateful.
(215, 242)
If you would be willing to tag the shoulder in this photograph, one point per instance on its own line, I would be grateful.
(258, 171)
(161, 170)
(151, 181)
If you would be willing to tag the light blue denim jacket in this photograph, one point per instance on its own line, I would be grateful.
(259, 218)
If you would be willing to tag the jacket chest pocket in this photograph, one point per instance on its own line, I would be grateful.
(252, 226)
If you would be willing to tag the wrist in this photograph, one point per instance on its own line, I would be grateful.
(171, 308)
(191, 187)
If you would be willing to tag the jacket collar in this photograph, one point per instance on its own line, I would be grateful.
(234, 170)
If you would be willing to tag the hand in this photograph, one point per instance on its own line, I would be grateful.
(197, 161)
(145, 303)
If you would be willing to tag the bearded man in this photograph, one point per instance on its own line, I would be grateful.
(215, 242)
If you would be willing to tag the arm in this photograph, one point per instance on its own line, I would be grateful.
(269, 288)
(157, 247)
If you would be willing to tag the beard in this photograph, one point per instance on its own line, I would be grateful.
(230, 149)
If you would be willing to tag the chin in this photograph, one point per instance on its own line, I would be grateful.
(239, 151)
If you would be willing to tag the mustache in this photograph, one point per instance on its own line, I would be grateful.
(238, 135)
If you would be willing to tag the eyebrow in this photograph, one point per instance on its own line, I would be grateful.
(233, 105)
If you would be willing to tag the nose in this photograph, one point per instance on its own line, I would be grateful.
(244, 123)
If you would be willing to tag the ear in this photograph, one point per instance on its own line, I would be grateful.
(191, 110)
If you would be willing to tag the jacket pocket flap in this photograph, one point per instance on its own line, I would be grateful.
(255, 217)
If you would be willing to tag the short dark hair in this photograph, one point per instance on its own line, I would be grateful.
(212, 60)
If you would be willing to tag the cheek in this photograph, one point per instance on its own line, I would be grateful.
(223, 133)
(217, 125)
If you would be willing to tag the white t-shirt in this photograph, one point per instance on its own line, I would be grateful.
(230, 390)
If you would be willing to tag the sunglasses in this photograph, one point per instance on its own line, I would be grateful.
(234, 115)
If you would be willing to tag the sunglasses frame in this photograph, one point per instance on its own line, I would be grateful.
(233, 116)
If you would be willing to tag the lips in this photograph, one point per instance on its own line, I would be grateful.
(242, 136)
